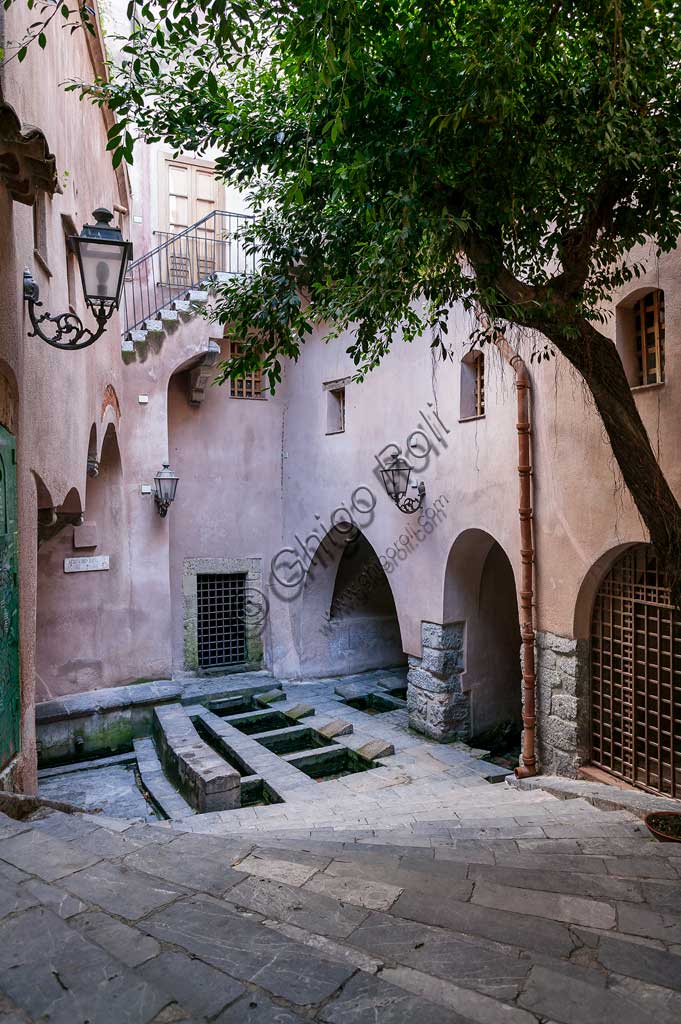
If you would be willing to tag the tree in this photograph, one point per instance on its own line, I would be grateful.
(405, 155)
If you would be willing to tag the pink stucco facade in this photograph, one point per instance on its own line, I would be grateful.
(262, 476)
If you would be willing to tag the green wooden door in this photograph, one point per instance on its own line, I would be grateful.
(10, 713)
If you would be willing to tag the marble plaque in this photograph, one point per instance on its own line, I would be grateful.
(91, 564)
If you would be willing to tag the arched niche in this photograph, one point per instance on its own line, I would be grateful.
(480, 593)
(348, 621)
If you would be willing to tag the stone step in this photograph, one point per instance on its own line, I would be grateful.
(171, 803)
(135, 922)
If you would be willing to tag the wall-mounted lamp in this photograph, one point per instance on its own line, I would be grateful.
(165, 483)
(103, 258)
(396, 481)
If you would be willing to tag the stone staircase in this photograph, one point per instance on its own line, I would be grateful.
(497, 905)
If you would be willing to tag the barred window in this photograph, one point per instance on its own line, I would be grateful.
(248, 386)
(649, 337)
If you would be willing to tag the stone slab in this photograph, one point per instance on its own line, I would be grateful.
(297, 906)
(206, 928)
(366, 999)
(40, 854)
(121, 890)
(198, 988)
(376, 748)
(475, 1006)
(123, 942)
(277, 870)
(515, 929)
(461, 959)
(63, 904)
(204, 872)
(53, 973)
(270, 697)
(256, 1008)
(588, 913)
(299, 711)
(567, 998)
(635, 960)
(337, 727)
(360, 891)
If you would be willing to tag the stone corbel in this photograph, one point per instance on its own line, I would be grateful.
(202, 374)
(52, 521)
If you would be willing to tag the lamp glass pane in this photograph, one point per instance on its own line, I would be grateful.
(166, 485)
(101, 264)
(396, 478)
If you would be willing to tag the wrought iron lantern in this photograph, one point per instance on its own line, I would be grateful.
(165, 484)
(396, 477)
(103, 257)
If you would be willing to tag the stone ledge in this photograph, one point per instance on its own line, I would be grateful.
(113, 698)
(207, 782)
(599, 794)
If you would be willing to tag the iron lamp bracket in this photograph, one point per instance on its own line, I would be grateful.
(68, 331)
(161, 506)
(411, 505)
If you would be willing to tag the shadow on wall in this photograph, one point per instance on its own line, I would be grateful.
(83, 618)
(480, 590)
(349, 621)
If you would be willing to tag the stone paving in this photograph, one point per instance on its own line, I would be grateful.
(575, 917)
(415, 893)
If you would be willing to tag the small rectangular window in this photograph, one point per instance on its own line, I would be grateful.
(472, 396)
(335, 410)
(249, 386)
(649, 333)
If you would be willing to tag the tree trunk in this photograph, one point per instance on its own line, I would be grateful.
(597, 360)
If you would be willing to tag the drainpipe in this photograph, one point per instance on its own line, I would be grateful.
(528, 765)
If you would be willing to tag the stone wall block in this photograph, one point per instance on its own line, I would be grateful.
(564, 706)
(442, 638)
(442, 663)
(430, 683)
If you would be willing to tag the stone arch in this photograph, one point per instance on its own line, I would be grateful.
(588, 588)
(468, 679)
(348, 620)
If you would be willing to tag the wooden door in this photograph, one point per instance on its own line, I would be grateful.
(191, 195)
(10, 705)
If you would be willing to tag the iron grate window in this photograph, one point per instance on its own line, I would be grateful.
(221, 625)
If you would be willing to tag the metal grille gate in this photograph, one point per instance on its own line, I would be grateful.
(636, 675)
(221, 626)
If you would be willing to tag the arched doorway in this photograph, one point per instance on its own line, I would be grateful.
(480, 698)
(349, 619)
(636, 675)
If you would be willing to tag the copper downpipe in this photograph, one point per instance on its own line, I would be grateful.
(528, 762)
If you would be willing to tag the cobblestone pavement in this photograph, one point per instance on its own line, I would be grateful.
(520, 908)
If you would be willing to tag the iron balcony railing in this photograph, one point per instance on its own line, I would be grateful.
(183, 262)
